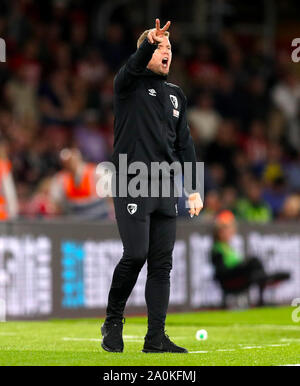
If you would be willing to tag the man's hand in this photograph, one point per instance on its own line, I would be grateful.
(195, 204)
(156, 35)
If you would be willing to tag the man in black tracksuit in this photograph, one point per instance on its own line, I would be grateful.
(150, 126)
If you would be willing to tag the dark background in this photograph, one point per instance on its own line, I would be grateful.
(231, 58)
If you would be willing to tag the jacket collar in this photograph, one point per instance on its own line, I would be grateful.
(152, 74)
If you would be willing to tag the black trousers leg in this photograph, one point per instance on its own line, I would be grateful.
(157, 291)
(135, 237)
(249, 268)
(253, 270)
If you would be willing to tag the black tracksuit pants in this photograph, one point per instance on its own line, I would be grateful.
(147, 227)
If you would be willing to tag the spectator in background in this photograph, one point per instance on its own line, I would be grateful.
(236, 67)
(242, 167)
(22, 97)
(234, 272)
(204, 120)
(40, 204)
(286, 97)
(78, 38)
(255, 145)
(292, 171)
(90, 139)
(273, 166)
(223, 149)
(251, 207)
(213, 205)
(229, 196)
(228, 102)
(8, 197)
(114, 46)
(202, 68)
(92, 68)
(59, 101)
(275, 194)
(256, 101)
(291, 209)
(73, 190)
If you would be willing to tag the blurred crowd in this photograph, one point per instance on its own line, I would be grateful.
(56, 92)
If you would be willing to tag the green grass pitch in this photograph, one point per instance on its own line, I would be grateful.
(265, 336)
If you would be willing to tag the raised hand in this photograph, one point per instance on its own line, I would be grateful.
(156, 34)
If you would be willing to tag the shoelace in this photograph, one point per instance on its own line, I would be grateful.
(168, 339)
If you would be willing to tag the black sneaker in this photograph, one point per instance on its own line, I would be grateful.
(162, 344)
(112, 336)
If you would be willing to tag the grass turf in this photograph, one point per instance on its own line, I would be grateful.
(265, 336)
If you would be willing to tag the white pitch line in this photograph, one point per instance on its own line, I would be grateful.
(132, 337)
(82, 339)
(290, 340)
(268, 326)
(250, 347)
(97, 340)
(266, 345)
(226, 349)
(240, 348)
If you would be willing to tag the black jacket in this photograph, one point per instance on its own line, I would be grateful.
(150, 115)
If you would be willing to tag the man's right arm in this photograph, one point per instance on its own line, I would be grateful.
(134, 67)
(137, 62)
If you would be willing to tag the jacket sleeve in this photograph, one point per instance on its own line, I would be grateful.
(185, 150)
(134, 67)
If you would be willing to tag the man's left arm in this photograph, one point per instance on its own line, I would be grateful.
(185, 150)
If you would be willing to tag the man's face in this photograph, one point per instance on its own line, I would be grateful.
(161, 58)
(226, 232)
(70, 159)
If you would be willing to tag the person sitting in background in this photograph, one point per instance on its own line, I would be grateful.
(234, 273)
(222, 150)
(274, 179)
(273, 166)
(292, 171)
(90, 139)
(40, 204)
(229, 197)
(8, 196)
(275, 194)
(286, 97)
(255, 145)
(252, 208)
(73, 190)
(212, 206)
(204, 119)
(291, 209)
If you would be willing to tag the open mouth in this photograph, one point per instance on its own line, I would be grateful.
(165, 62)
